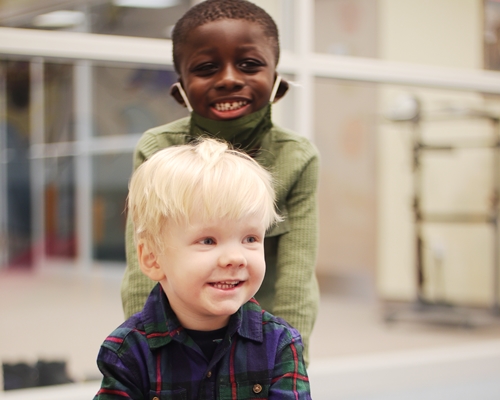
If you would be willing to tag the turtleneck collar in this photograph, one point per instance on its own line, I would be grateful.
(243, 133)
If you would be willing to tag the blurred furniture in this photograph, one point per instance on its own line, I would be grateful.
(439, 310)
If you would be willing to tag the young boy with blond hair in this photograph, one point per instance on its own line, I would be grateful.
(200, 213)
(226, 53)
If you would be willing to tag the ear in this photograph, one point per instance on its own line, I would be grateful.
(282, 89)
(148, 262)
(176, 94)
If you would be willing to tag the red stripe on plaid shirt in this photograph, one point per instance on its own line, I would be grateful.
(164, 334)
(292, 375)
(114, 339)
(232, 374)
(115, 392)
(153, 335)
(295, 369)
(158, 372)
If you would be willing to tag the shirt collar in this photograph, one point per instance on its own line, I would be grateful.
(250, 321)
(162, 326)
(160, 323)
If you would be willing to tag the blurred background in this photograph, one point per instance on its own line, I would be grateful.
(402, 99)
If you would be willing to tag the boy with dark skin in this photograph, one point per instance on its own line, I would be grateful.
(201, 76)
(226, 53)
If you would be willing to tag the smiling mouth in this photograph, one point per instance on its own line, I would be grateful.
(225, 285)
(230, 105)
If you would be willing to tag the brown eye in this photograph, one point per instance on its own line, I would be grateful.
(250, 65)
(205, 69)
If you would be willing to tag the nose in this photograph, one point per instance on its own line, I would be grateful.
(230, 78)
(232, 258)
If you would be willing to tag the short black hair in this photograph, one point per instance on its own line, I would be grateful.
(213, 10)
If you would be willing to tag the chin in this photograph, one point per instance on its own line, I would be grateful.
(227, 310)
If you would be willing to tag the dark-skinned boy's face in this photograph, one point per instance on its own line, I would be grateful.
(227, 68)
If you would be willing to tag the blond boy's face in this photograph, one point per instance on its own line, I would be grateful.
(227, 68)
(208, 270)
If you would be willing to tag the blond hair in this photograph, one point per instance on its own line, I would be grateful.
(206, 178)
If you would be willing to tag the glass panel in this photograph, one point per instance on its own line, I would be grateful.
(345, 131)
(103, 17)
(111, 174)
(60, 214)
(25, 14)
(135, 21)
(346, 27)
(491, 34)
(58, 103)
(17, 166)
(282, 12)
(158, 23)
(132, 100)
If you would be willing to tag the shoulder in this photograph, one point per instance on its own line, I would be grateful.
(146, 330)
(163, 136)
(276, 332)
(287, 154)
(179, 126)
(280, 334)
(273, 324)
(129, 334)
(283, 140)
(291, 158)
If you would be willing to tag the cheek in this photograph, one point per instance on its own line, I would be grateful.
(265, 89)
(259, 267)
(196, 88)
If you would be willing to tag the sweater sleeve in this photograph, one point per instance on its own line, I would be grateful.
(136, 286)
(297, 293)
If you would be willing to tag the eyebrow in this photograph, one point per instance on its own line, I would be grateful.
(211, 49)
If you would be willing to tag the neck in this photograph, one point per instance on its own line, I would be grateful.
(243, 133)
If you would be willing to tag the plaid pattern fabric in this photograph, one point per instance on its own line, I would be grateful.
(150, 356)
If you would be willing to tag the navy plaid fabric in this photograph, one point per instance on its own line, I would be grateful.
(151, 356)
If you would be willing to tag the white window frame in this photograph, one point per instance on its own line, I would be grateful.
(85, 49)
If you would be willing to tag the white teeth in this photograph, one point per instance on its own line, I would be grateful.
(230, 106)
(225, 285)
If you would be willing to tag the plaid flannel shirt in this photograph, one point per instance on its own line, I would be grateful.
(150, 356)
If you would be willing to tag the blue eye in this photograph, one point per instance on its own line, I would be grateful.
(251, 239)
(207, 241)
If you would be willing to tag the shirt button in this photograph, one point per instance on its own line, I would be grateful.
(257, 388)
(209, 374)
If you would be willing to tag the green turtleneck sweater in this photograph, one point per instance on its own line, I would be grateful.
(290, 288)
